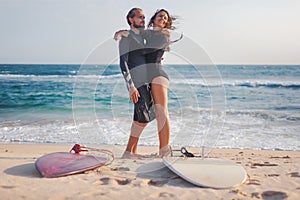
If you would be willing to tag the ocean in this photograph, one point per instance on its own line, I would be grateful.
(223, 106)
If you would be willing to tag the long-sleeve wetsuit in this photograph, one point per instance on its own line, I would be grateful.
(134, 69)
(133, 60)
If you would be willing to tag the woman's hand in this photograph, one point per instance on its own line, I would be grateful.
(165, 32)
(134, 94)
(121, 33)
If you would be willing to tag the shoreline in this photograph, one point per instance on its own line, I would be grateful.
(143, 147)
(272, 174)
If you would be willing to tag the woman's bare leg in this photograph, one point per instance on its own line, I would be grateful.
(159, 90)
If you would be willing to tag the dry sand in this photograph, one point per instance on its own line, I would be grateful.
(271, 175)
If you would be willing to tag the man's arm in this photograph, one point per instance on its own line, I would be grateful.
(124, 51)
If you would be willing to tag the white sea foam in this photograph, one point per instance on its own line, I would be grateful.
(244, 107)
(235, 130)
(233, 83)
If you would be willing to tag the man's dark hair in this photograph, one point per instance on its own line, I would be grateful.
(131, 14)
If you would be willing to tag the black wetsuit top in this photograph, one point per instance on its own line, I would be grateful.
(140, 63)
(156, 44)
(133, 60)
(134, 69)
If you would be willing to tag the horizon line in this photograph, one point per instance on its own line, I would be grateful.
(25, 63)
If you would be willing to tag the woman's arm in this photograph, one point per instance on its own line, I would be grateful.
(155, 41)
(121, 33)
(158, 43)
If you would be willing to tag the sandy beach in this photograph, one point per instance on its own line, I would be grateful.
(271, 175)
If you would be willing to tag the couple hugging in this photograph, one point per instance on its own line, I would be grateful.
(141, 52)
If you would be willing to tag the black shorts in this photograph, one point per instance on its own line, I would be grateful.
(144, 108)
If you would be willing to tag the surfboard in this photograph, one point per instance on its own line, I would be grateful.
(207, 172)
(64, 163)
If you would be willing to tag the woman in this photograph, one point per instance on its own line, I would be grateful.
(157, 42)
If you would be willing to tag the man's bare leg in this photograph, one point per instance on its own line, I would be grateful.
(136, 130)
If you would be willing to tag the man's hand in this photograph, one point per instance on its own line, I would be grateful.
(134, 94)
(121, 33)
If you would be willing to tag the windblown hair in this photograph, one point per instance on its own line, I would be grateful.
(169, 22)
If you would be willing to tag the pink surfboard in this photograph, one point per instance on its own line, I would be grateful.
(64, 163)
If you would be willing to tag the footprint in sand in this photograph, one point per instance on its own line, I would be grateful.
(8, 186)
(123, 169)
(255, 195)
(294, 174)
(268, 195)
(273, 175)
(108, 181)
(265, 164)
(123, 182)
(252, 182)
(157, 182)
(240, 193)
(105, 181)
(163, 195)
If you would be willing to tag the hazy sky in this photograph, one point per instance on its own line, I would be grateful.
(230, 31)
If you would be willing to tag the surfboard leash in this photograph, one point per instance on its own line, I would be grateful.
(185, 152)
(77, 148)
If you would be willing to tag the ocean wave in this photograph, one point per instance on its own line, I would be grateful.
(33, 76)
(242, 83)
(268, 115)
(256, 84)
(59, 76)
(212, 82)
(271, 116)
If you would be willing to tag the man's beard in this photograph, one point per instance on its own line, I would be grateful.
(138, 26)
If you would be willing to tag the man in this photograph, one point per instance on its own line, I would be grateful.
(133, 67)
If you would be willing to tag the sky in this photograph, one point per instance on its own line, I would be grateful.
(227, 31)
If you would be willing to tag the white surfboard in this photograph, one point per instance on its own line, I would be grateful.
(207, 172)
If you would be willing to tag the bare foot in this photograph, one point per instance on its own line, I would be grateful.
(165, 151)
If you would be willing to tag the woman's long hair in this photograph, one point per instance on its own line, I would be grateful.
(169, 22)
